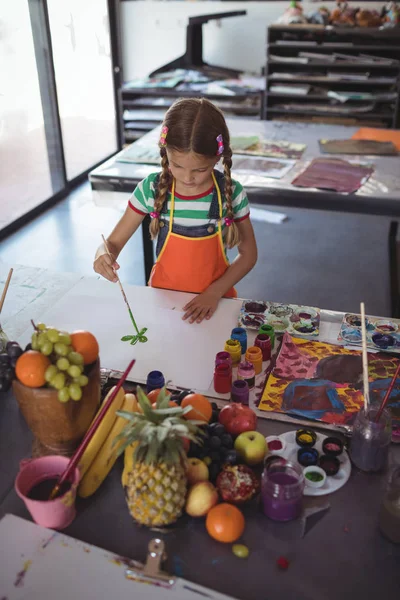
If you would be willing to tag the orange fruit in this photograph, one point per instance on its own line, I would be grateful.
(171, 404)
(202, 409)
(153, 395)
(86, 344)
(225, 523)
(31, 367)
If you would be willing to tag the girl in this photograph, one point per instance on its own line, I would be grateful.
(195, 212)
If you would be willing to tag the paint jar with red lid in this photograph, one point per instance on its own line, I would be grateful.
(223, 378)
(263, 341)
(235, 350)
(254, 355)
(223, 357)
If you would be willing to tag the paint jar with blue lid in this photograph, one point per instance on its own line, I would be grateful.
(240, 334)
(307, 457)
(155, 381)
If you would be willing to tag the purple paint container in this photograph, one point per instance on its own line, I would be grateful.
(240, 392)
(223, 357)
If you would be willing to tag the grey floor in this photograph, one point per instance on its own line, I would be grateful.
(325, 259)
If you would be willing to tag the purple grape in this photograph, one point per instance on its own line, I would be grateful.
(227, 440)
(4, 385)
(231, 458)
(216, 429)
(215, 442)
(14, 350)
(4, 359)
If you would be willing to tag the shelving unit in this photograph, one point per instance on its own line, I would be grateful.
(142, 109)
(374, 84)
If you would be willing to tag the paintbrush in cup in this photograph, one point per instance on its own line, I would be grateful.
(89, 434)
(5, 290)
(364, 358)
(139, 334)
(389, 391)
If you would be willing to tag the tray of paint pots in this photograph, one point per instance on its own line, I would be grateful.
(289, 452)
(382, 334)
(301, 321)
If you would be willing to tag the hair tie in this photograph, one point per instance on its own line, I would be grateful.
(163, 137)
(228, 222)
(155, 215)
(220, 142)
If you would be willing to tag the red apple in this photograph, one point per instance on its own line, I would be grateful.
(237, 484)
(237, 418)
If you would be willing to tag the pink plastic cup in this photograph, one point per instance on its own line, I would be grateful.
(57, 513)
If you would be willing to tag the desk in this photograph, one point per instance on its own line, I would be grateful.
(342, 554)
(114, 181)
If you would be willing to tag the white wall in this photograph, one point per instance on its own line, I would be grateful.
(154, 32)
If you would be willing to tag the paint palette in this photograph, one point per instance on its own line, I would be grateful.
(382, 334)
(301, 321)
(332, 483)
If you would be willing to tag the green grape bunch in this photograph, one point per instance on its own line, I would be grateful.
(66, 372)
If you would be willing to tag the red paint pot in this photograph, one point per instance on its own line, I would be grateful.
(263, 342)
(223, 378)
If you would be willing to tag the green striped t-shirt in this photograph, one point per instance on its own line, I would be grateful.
(189, 210)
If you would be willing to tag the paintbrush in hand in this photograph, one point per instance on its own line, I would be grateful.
(139, 337)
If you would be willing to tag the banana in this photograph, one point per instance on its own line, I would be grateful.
(102, 431)
(107, 455)
(128, 463)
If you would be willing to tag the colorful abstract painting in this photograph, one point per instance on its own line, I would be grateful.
(321, 381)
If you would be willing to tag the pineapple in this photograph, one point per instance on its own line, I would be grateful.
(155, 462)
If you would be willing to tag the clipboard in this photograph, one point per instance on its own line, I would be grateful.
(39, 563)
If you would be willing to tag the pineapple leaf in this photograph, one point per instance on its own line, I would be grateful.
(144, 402)
(125, 414)
(162, 399)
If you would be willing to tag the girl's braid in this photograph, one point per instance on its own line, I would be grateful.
(164, 183)
(231, 232)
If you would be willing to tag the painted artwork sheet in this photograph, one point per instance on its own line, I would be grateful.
(298, 320)
(382, 334)
(333, 174)
(323, 382)
(258, 165)
(272, 148)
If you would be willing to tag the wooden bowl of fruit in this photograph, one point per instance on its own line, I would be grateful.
(57, 387)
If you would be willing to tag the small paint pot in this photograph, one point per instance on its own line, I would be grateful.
(273, 458)
(383, 341)
(240, 392)
(239, 333)
(351, 335)
(305, 327)
(263, 342)
(255, 307)
(332, 446)
(247, 372)
(235, 350)
(280, 324)
(306, 438)
(254, 356)
(223, 357)
(57, 513)
(267, 329)
(280, 310)
(314, 477)
(386, 326)
(307, 456)
(223, 378)
(155, 381)
(306, 313)
(330, 464)
(355, 321)
(276, 445)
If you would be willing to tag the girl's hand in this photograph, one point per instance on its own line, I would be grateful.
(201, 307)
(103, 265)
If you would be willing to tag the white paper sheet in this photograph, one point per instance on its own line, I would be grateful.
(184, 352)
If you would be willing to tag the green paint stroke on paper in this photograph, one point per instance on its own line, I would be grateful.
(139, 337)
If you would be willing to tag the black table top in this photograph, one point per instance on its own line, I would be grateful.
(380, 195)
(342, 554)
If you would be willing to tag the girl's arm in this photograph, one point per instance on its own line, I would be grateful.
(121, 233)
(204, 305)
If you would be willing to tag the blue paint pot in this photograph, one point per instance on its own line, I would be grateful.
(307, 456)
(383, 340)
(240, 334)
(155, 381)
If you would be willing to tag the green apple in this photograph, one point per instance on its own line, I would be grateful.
(251, 447)
(196, 470)
(202, 496)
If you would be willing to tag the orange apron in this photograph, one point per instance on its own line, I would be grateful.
(188, 264)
